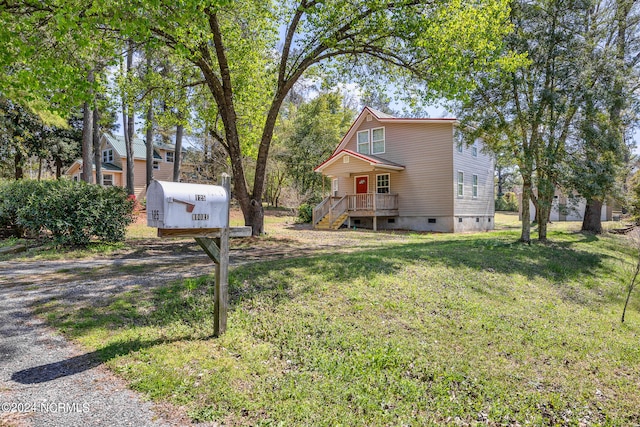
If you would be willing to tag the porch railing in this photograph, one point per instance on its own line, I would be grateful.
(372, 202)
(335, 206)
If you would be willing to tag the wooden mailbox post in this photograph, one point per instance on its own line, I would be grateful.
(202, 212)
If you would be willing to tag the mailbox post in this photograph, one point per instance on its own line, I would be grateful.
(202, 212)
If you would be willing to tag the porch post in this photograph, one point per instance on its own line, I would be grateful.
(375, 222)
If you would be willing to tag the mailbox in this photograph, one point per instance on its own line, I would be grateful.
(186, 206)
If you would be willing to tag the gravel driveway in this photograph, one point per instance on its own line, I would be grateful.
(46, 380)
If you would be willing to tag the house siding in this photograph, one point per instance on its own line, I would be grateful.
(425, 150)
(426, 188)
(473, 213)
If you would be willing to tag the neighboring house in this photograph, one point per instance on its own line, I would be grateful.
(114, 163)
(406, 173)
(569, 208)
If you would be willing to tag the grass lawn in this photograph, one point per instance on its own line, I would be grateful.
(410, 329)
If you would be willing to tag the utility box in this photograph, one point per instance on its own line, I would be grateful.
(177, 205)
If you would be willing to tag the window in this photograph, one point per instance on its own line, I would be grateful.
(431, 220)
(169, 156)
(107, 180)
(156, 164)
(382, 184)
(76, 178)
(474, 190)
(377, 141)
(474, 151)
(460, 184)
(334, 186)
(459, 147)
(107, 156)
(363, 142)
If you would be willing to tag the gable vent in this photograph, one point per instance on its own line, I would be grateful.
(369, 118)
(345, 159)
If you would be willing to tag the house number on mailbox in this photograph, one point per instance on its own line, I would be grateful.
(200, 217)
(201, 198)
(155, 215)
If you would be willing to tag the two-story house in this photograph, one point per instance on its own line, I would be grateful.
(407, 173)
(114, 163)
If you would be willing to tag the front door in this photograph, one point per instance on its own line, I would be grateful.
(362, 188)
(362, 184)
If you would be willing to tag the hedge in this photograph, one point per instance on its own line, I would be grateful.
(71, 213)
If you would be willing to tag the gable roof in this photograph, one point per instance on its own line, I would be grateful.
(374, 161)
(139, 147)
(385, 118)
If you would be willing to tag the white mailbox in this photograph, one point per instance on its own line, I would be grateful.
(186, 206)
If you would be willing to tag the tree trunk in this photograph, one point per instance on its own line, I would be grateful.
(39, 168)
(149, 142)
(87, 142)
(592, 221)
(128, 123)
(177, 156)
(525, 235)
(97, 155)
(18, 160)
(58, 162)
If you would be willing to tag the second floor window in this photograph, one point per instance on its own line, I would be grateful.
(169, 157)
(363, 142)
(107, 156)
(377, 141)
(156, 164)
(460, 184)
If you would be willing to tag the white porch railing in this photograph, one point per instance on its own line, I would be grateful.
(373, 202)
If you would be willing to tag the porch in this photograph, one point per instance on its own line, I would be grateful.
(333, 211)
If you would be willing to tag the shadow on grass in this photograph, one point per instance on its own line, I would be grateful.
(556, 261)
(77, 364)
(189, 303)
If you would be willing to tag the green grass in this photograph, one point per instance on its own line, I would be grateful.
(437, 329)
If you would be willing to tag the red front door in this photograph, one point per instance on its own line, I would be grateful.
(362, 188)
(362, 184)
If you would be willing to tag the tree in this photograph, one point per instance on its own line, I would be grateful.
(317, 126)
(530, 112)
(612, 74)
(249, 72)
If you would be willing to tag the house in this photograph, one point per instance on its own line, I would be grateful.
(570, 207)
(114, 163)
(407, 173)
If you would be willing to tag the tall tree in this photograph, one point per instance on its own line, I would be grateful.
(530, 112)
(614, 59)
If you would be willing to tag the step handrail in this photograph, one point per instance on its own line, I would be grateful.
(321, 210)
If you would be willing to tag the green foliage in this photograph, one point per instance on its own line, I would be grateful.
(305, 213)
(72, 213)
(507, 202)
(310, 135)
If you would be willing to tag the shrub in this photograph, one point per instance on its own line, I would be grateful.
(508, 202)
(305, 213)
(72, 213)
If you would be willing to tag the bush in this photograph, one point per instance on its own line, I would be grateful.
(508, 202)
(305, 213)
(72, 213)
